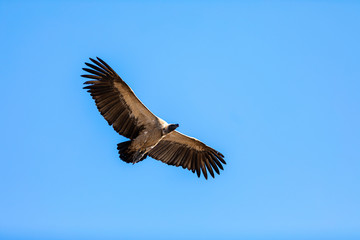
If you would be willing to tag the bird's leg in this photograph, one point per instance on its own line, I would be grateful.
(138, 156)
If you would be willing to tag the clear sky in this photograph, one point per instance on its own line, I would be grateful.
(273, 85)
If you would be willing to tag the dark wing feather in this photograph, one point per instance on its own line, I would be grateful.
(116, 101)
(180, 150)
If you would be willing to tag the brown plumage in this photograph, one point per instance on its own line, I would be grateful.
(149, 135)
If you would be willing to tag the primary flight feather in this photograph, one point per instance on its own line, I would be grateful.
(149, 135)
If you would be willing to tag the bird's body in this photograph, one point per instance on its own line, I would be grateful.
(147, 140)
(148, 134)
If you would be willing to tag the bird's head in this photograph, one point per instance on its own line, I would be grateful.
(170, 128)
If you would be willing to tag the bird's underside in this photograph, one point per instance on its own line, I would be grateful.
(148, 134)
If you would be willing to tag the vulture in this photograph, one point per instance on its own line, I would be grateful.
(149, 135)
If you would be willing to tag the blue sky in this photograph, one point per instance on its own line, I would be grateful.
(273, 85)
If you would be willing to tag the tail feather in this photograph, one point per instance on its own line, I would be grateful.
(124, 152)
(130, 156)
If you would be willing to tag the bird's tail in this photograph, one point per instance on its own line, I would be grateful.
(130, 156)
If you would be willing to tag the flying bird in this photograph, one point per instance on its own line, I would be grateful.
(149, 135)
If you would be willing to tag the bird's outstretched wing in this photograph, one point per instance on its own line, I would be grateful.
(116, 101)
(180, 150)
